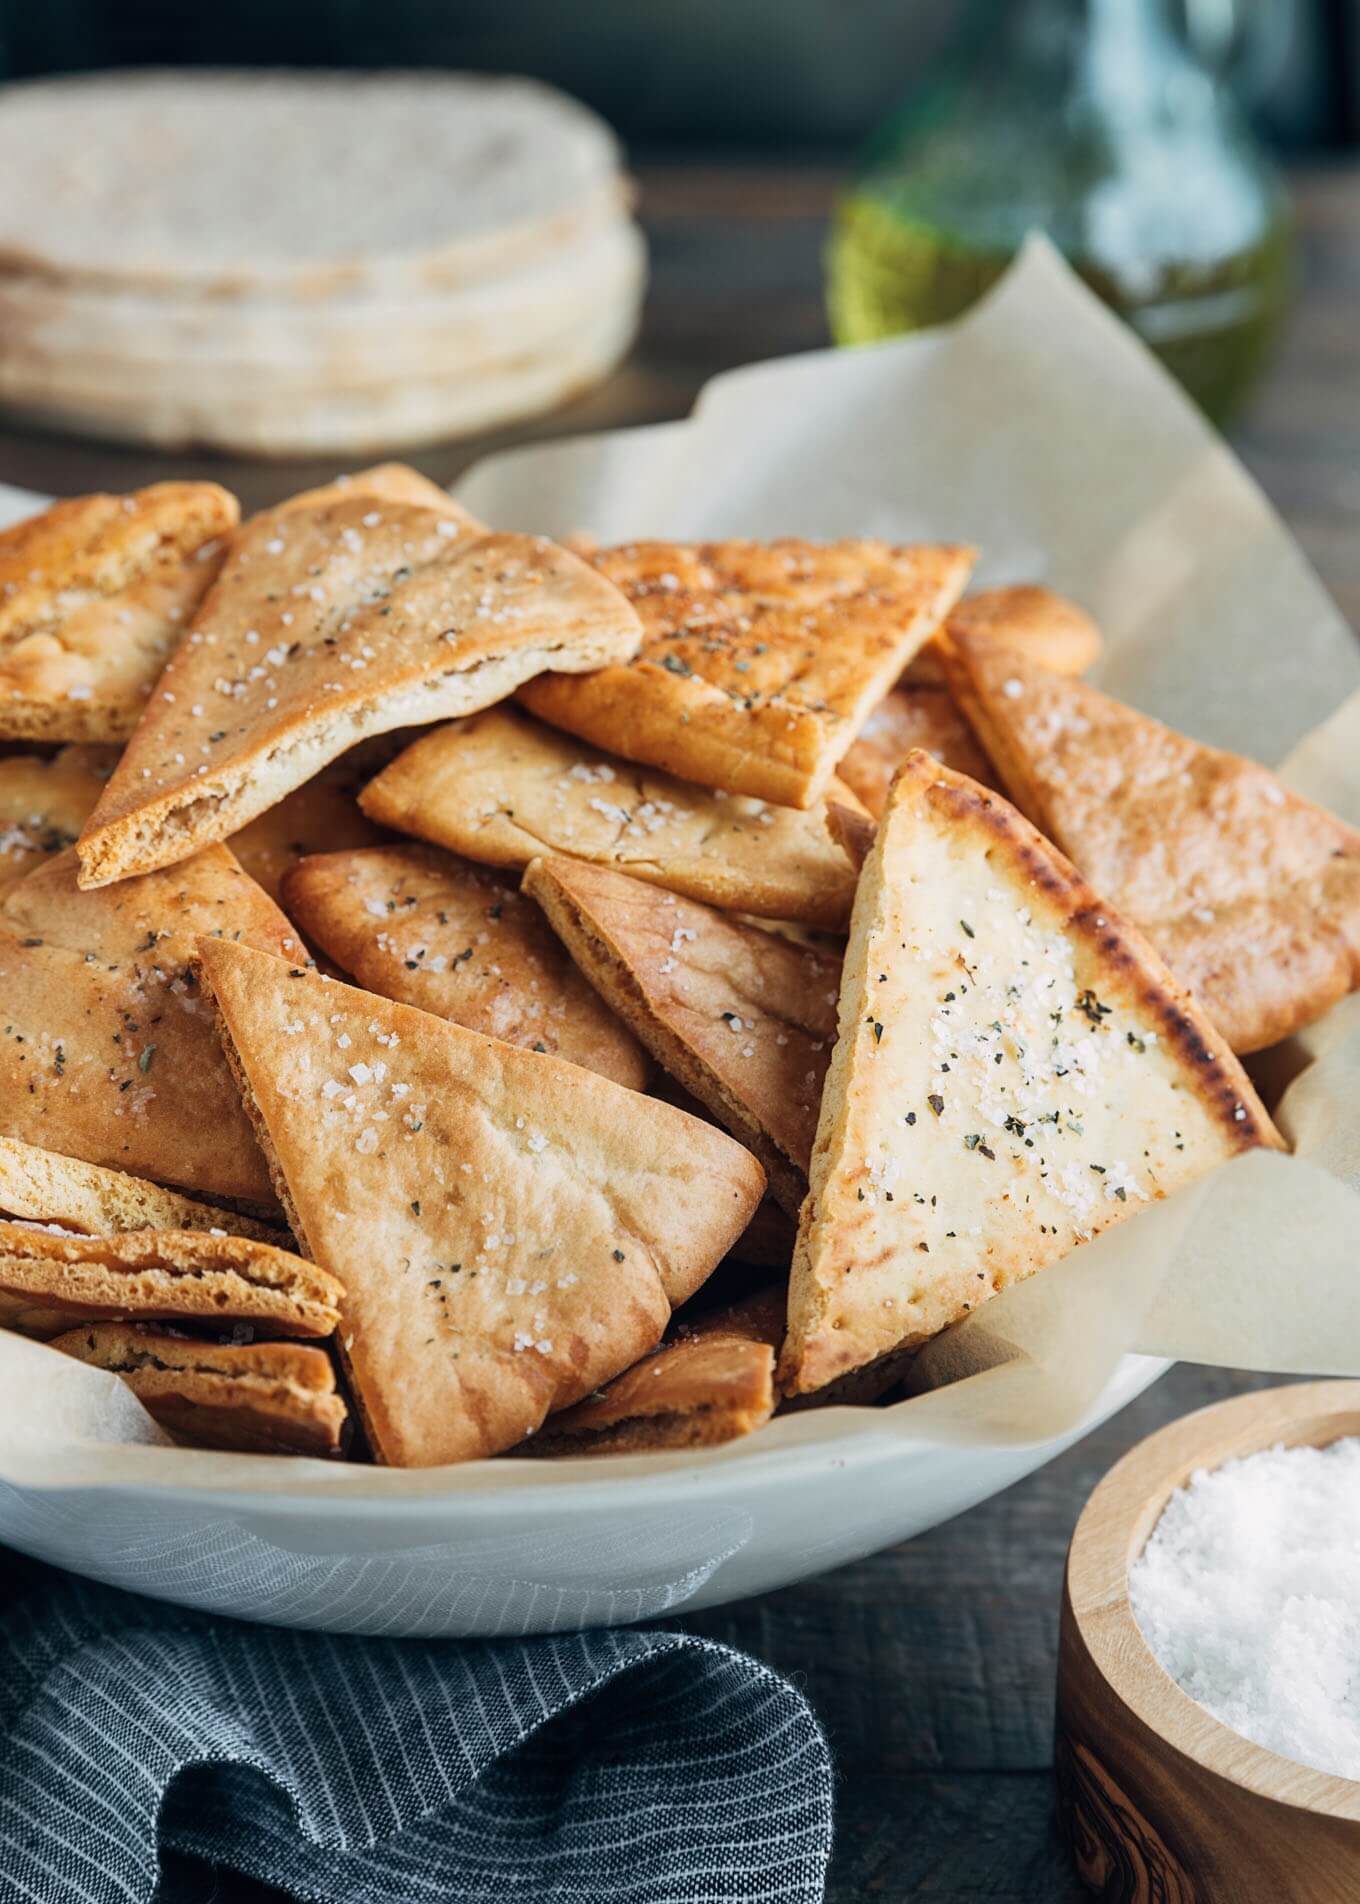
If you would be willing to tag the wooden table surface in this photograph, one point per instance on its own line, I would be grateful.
(932, 1664)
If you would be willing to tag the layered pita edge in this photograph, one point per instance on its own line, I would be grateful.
(247, 1398)
(45, 1186)
(683, 724)
(129, 833)
(379, 1431)
(606, 964)
(51, 1280)
(1221, 1085)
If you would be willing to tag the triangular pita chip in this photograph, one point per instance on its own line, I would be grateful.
(94, 595)
(322, 816)
(44, 802)
(504, 789)
(423, 926)
(1250, 894)
(742, 1019)
(1044, 627)
(256, 1397)
(512, 1230)
(331, 622)
(42, 1186)
(907, 718)
(1016, 1071)
(106, 1050)
(50, 1279)
(710, 1381)
(761, 660)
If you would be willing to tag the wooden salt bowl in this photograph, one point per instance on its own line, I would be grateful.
(1160, 1803)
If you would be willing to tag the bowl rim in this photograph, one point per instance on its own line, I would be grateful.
(1114, 1526)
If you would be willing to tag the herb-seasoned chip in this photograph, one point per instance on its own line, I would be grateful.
(44, 802)
(1250, 894)
(504, 790)
(511, 1230)
(761, 660)
(742, 1019)
(423, 926)
(258, 1397)
(95, 593)
(106, 1050)
(50, 1279)
(333, 620)
(1016, 1070)
(710, 1380)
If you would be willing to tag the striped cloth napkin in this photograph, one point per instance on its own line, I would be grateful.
(142, 1743)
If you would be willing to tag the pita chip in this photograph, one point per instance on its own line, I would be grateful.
(907, 718)
(50, 1279)
(1016, 1071)
(512, 1230)
(710, 1381)
(1250, 894)
(247, 1397)
(742, 1019)
(331, 622)
(95, 593)
(41, 1186)
(1038, 623)
(425, 927)
(760, 661)
(504, 789)
(44, 802)
(107, 1052)
(322, 816)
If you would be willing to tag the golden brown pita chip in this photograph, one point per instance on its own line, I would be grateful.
(95, 593)
(761, 660)
(1016, 1071)
(907, 718)
(1044, 627)
(50, 1279)
(423, 926)
(389, 482)
(331, 622)
(44, 802)
(710, 1381)
(257, 1397)
(512, 1230)
(1250, 894)
(41, 1186)
(107, 1051)
(323, 816)
(740, 1018)
(504, 789)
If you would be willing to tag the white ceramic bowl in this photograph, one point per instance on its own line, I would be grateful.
(534, 1547)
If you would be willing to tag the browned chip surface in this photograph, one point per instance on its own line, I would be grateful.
(322, 816)
(44, 802)
(426, 927)
(1251, 895)
(258, 1397)
(709, 1382)
(42, 1186)
(1016, 1072)
(512, 1230)
(331, 621)
(907, 718)
(48, 1280)
(1043, 626)
(742, 1019)
(760, 660)
(106, 1050)
(504, 789)
(94, 595)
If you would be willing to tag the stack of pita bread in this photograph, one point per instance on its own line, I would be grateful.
(464, 995)
(293, 264)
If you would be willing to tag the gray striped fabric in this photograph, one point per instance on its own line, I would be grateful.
(625, 1767)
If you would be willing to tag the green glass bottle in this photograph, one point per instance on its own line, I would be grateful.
(1090, 120)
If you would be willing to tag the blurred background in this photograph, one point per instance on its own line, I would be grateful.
(802, 172)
